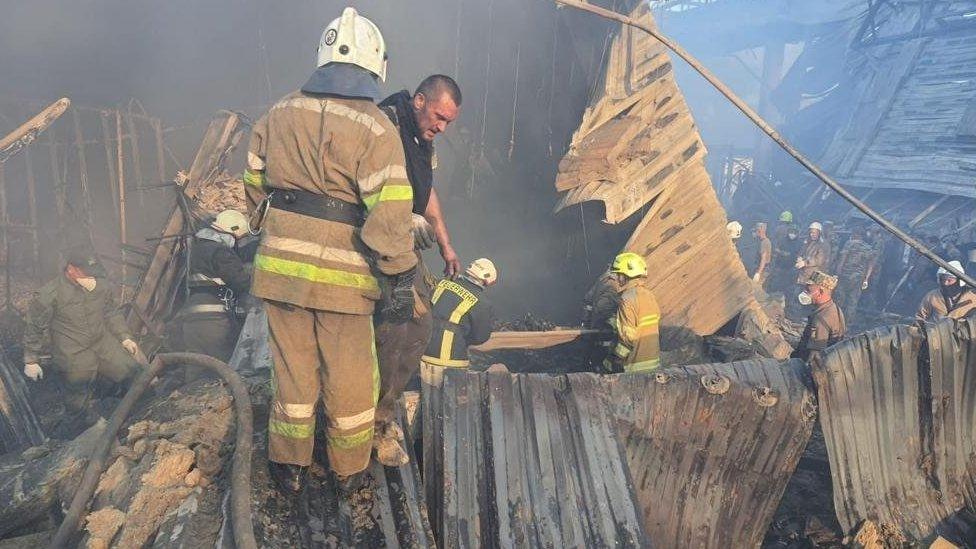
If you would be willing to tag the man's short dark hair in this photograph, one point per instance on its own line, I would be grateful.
(436, 84)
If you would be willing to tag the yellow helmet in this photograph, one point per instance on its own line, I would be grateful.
(629, 264)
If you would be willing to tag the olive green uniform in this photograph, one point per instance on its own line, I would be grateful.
(825, 326)
(318, 273)
(85, 330)
(855, 259)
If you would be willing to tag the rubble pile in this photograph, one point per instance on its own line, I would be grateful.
(226, 192)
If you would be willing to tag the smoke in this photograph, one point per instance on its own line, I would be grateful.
(185, 59)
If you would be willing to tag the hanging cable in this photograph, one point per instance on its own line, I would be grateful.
(511, 140)
(773, 134)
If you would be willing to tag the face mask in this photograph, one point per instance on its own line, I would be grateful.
(804, 298)
(88, 283)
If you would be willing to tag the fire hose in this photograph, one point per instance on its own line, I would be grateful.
(240, 496)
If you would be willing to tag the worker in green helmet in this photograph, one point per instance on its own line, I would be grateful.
(637, 347)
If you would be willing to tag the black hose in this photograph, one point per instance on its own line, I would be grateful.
(240, 471)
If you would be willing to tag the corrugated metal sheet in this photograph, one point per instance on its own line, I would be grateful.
(689, 457)
(638, 146)
(898, 410)
(711, 448)
(533, 461)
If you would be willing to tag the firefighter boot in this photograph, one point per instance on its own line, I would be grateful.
(388, 445)
(289, 479)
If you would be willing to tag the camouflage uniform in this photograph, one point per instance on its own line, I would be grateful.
(855, 259)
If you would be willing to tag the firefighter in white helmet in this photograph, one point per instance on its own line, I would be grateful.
(814, 255)
(328, 186)
(217, 282)
(952, 299)
(462, 317)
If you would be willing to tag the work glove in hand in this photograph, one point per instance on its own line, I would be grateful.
(801, 263)
(398, 298)
(864, 285)
(423, 233)
(33, 370)
(131, 346)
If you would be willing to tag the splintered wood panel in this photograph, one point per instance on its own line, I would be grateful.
(638, 145)
(712, 447)
(637, 137)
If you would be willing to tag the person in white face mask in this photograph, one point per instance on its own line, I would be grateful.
(76, 319)
(826, 324)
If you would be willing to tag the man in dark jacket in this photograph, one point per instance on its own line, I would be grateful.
(76, 316)
(419, 119)
(218, 282)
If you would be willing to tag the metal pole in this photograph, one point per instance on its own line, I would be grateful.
(772, 133)
(121, 174)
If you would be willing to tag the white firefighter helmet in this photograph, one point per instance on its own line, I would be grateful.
(231, 221)
(482, 271)
(945, 272)
(816, 225)
(354, 39)
(735, 229)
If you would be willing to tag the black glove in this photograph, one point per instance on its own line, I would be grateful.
(398, 297)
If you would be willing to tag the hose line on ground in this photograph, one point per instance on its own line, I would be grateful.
(240, 496)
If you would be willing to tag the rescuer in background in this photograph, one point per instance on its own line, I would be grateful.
(814, 255)
(764, 256)
(217, 283)
(783, 225)
(637, 323)
(952, 299)
(326, 173)
(853, 272)
(77, 314)
(461, 316)
(419, 119)
(826, 324)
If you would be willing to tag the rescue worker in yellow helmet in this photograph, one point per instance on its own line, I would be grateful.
(637, 347)
(327, 179)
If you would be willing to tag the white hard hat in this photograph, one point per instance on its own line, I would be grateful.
(353, 39)
(482, 271)
(816, 225)
(955, 264)
(735, 229)
(231, 221)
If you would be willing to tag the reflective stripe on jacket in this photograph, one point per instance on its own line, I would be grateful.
(349, 150)
(461, 318)
(638, 329)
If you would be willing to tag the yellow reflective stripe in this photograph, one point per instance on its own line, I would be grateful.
(254, 179)
(643, 365)
(445, 363)
(621, 350)
(312, 273)
(648, 320)
(290, 430)
(388, 194)
(438, 291)
(348, 442)
(321, 105)
(468, 299)
(447, 342)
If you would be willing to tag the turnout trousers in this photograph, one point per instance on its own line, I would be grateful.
(332, 355)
